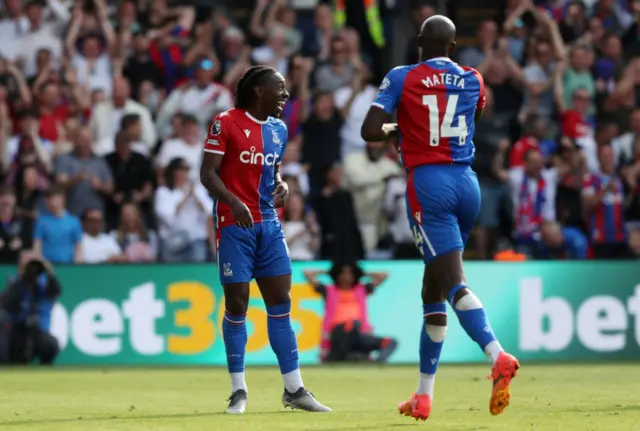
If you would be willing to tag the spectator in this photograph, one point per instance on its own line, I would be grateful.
(91, 63)
(575, 21)
(29, 189)
(25, 308)
(202, 99)
(623, 146)
(291, 166)
(395, 206)
(577, 123)
(41, 34)
(603, 201)
(557, 242)
(346, 331)
(365, 177)
(187, 145)
(353, 101)
(336, 215)
(300, 229)
(577, 75)
(631, 175)
(338, 72)
(16, 231)
(140, 69)
(106, 117)
(86, 177)
(51, 110)
(28, 126)
(57, 233)
(486, 38)
(183, 209)
(321, 144)
(131, 125)
(97, 246)
(533, 192)
(571, 167)
(138, 243)
(12, 26)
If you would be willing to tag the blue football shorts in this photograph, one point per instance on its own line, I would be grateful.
(257, 252)
(443, 203)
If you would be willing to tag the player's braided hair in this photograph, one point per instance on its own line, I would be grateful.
(251, 78)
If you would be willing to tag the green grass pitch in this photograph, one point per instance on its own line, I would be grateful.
(544, 397)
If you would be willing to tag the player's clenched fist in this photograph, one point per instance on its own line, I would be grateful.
(241, 214)
(280, 194)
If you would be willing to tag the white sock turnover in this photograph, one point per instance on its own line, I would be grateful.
(492, 350)
(238, 382)
(293, 380)
(425, 384)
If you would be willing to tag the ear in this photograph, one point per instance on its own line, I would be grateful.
(258, 90)
(452, 47)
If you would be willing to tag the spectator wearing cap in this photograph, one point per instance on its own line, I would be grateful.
(133, 180)
(107, 115)
(187, 146)
(42, 34)
(86, 177)
(57, 234)
(91, 62)
(202, 99)
(97, 246)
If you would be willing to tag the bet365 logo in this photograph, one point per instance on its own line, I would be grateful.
(601, 323)
(181, 324)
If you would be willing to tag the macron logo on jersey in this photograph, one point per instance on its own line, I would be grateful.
(247, 132)
(253, 158)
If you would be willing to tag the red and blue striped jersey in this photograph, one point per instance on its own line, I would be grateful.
(252, 149)
(606, 221)
(436, 102)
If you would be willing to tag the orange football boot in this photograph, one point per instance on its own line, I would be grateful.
(418, 407)
(503, 371)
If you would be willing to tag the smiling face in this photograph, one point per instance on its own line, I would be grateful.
(274, 94)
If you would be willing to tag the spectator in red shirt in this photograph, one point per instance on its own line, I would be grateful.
(534, 131)
(52, 112)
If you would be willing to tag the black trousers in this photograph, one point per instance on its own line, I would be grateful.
(612, 250)
(350, 343)
(21, 345)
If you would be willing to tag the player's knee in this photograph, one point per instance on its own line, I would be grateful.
(468, 301)
(436, 333)
(236, 304)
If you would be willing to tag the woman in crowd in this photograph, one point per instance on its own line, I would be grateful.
(137, 242)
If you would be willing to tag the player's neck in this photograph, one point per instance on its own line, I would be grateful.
(427, 57)
(258, 114)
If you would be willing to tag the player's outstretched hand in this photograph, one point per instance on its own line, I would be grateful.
(241, 214)
(391, 130)
(280, 194)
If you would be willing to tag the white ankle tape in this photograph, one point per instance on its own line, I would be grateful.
(468, 302)
(436, 333)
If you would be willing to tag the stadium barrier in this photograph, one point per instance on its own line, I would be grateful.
(171, 314)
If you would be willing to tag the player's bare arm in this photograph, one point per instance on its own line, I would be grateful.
(377, 126)
(210, 179)
(281, 189)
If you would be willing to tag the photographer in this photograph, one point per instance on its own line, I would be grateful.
(25, 313)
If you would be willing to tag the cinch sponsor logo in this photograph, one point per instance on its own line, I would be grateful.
(253, 158)
(182, 323)
(600, 323)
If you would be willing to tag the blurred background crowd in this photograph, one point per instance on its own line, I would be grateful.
(104, 106)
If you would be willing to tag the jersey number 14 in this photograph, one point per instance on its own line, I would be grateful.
(444, 130)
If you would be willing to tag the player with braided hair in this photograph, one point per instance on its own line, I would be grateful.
(241, 169)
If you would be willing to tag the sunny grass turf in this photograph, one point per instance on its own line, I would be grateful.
(551, 397)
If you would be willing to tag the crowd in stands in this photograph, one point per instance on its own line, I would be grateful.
(104, 107)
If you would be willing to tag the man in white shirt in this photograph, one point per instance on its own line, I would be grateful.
(203, 99)
(354, 102)
(12, 27)
(97, 246)
(41, 35)
(187, 146)
(623, 145)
